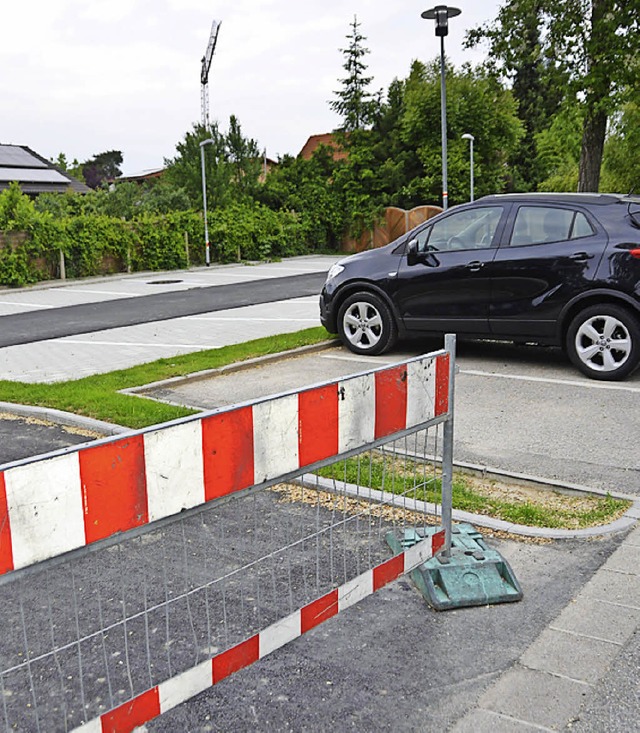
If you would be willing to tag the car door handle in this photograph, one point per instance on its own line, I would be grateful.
(474, 266)
(581, 257)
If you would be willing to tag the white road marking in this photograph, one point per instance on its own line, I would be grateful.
(253, 320)
(25, 305)
(592, 384)
(147, 344)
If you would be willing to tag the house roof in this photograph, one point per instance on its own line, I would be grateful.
(329, 140)
(34, 173)
(140, 176)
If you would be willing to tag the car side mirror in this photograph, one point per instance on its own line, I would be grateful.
(412, 252)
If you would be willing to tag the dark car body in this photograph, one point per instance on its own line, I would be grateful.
(516, 267)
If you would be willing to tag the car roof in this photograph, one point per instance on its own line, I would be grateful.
(598, 199)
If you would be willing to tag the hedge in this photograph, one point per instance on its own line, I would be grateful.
(31, 242)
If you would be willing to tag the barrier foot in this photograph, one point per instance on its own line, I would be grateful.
(472, 575)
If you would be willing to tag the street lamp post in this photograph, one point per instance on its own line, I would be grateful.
(207, 258)
(468, 136)
(441, 15)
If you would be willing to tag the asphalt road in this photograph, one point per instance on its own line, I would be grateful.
(389, 663)
(26, 328)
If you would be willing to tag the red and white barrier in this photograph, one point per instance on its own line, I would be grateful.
(58, 503)
(167, 695)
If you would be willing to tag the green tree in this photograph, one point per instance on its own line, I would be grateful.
(185, 170)
(232, 165)
(593, 46)
(16, 209)
(102, 168)
(559, 150)
(354, 103)
(517, 56)
(476, 103)
(622, 150)
(307, 189)
(244, 158)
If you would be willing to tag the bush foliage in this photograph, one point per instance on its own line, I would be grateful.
(32, 238)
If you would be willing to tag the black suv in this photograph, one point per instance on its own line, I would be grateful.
(559, 269)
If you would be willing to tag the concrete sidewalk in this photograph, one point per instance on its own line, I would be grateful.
(566, 656)
(71, 357)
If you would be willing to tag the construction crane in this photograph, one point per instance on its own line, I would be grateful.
(204, 74)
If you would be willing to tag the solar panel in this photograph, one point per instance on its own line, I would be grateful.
(31, 175)
(15, 155)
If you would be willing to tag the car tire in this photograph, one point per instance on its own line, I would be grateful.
(366, 325)
(603, 342)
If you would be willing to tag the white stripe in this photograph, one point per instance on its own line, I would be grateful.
(419, 553)
(184, 686)
(356, 412)
(93, 726)
(25, 305)
(118, 294)
(154, 344)
(355, 590)
(257, 319)
(174, 469)
(275, 437)
(548, 380)
(45, 508)
(421, 391)
(280, 633)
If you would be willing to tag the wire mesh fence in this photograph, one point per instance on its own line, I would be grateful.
(87, 632)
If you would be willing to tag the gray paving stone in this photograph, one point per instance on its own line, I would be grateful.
(577, 657)
(535, 697)
(626, 559)
(598, 619)
(485, 721)
(614, 587)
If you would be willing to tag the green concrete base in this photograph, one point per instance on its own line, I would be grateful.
(472, 575)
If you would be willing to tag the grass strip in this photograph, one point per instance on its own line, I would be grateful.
(519, 504)
(98, 396)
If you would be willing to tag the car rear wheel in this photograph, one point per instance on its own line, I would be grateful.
(604, 342)
(365, 324)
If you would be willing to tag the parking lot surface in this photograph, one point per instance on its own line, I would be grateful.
(390, 663)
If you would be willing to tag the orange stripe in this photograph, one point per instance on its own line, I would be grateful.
(317, 611)
(442, 384)
(388, 571)
(227, 447)
(114, 487)
(238, 657)
(132, 714)
(6, 550)
(391, 401)
(317, 424)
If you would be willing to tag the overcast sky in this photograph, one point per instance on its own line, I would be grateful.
(85, 76)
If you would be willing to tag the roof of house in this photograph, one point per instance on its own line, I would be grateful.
(34, 173)
(149, 174)
(329, 140)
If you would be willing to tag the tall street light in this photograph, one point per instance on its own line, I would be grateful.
(441, 15)
(207, 259)
(468, 136)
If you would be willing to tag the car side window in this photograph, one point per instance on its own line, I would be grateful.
(541, 224)
(469, 229)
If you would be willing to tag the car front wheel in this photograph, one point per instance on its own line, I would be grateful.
(604, 342)
(366, 325)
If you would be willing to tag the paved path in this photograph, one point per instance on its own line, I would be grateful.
(220, 316)
(566, 655)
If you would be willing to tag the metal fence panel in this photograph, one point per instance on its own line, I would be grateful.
(129, 624)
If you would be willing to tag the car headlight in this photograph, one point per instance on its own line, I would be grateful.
(334, 271)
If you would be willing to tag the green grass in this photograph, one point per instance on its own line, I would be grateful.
(417, 480)
(98, 396)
